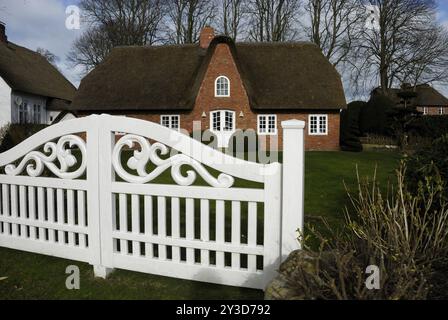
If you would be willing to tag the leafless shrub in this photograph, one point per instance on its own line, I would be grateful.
(401, 234)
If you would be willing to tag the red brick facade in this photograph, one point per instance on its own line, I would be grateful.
(433, 111)
(223, 64)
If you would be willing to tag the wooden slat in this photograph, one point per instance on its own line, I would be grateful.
(189, 222)
(252, 235)
(220, 229)
(175, 226)
(81, 208)
(51, 213)
(197, 244)
(123, 213)
(60, 209)
(148, 225)
(23, 209)
(5, 206)
(44, 224)
(236, 232)
(205, 230)
(45, 182)
(71, 215)
(193, 192)
(32, 210)
(41, 210)
(161, 221)
(135, 205)
(14, 209)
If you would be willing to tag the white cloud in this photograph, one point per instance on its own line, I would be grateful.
(41, 23)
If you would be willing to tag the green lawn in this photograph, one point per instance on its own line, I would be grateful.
(31, 276)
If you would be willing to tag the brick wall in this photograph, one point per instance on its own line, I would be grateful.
(222, 64)
(433, 110)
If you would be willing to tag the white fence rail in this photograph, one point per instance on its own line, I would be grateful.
(74, 191)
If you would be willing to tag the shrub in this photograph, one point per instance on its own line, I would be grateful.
(399, 234)
(429, 126)
(3, 131)
(374, 115)
(16, 133)
(429, 163)
(349, 138)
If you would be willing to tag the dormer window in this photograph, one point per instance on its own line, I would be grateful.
(222, 87)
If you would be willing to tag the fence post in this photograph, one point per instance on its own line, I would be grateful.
(293, 185)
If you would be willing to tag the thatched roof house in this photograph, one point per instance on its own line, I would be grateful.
(282, 80)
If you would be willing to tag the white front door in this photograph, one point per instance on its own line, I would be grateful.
(222, 124)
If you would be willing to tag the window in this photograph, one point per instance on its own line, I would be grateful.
(223, 120)
(267, 124)
(228, 123)
(36, 114)
(222, 87)
(171, 121)
(318, 125)
(425, 110)
(23, 113)
(441, 111)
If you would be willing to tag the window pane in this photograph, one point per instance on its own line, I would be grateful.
(228, 121)
(313, 124)
(323, 124)
(272, 126)
(216, 121)
(262, 124)
(175, 122)
(166, 121)
(222, 87)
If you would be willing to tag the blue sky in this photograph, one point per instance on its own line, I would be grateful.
(41, 23)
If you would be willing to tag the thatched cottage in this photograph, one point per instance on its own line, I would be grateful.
(224, 85)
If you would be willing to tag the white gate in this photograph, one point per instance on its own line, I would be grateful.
(108, 204)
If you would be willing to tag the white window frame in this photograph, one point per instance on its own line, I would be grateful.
(425, 111)
(170, 120)
(216, 87)
(23, 113)
(318, 116)
(267, 133)
(223, 120)
(441, 111)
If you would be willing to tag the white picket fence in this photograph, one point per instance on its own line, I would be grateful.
(95, 207)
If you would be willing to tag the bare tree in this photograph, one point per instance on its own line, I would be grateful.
(116, 23)
(90, 49)
(232, 17)
(429, 58)
(334, 24)
(49, 56)
(404, 43)
(273, 20)
(186, 19)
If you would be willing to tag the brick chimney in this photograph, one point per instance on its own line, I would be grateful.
(3, 37)
(206, 37)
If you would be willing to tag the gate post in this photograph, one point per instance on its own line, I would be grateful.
(292, 185)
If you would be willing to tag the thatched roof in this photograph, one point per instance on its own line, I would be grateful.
(27, 71)
(275, 75)
(425, 96)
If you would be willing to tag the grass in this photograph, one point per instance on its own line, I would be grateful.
(31, 276)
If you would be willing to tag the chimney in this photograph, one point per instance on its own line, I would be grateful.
(3, 37)
(206, 37)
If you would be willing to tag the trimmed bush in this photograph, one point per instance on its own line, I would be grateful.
(350, 133)
(374, 116)
(429, 126)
